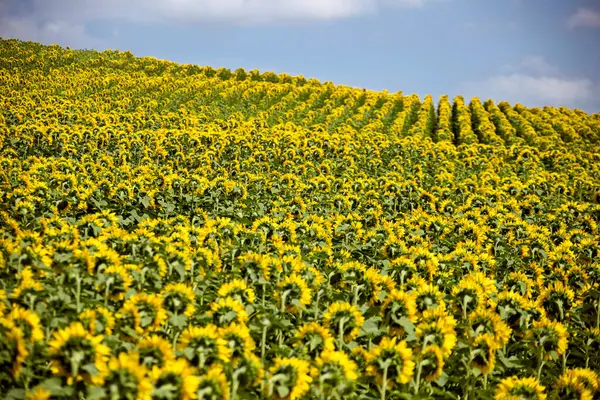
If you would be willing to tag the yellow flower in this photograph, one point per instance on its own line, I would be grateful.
(432, 362)
(515, 388)
(155, 351)
(178, 374)
(143, 312)
(117, 282)
(398, 304)
(238, 339)
(332, 361)
(484, 354)
(549, 336)
(428, 297)
(13, 344)
(398, 357)
(179, 298)
(294, 288)
(28, 282)
(98, 321)
(235, 288)
(221, 309)
(38, 393)
(306, 338)
(29, 322)
(127, 378)
(557, 300)
(73, 347)
(213, 384)
(292, 378)
(484, 321)
(344, 319)
(437, 328)
(571, 383)
(205, 344)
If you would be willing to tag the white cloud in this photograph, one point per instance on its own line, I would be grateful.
(534, 82)
(585, 18)
(64, 21)
(193, 11)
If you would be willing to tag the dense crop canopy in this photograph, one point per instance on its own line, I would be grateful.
(179, 232)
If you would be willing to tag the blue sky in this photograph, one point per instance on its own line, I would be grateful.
(536, 52)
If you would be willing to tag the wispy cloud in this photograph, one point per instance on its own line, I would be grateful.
(584, 18)
(534, 82)
(64, 21)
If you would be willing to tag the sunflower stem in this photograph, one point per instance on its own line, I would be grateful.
(384, 383)
(263, 344)
(341, 332)
(78, 293)
(540, 365)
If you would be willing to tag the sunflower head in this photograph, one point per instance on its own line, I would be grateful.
(397, 358)
(432, 362)
(175, 380)
(127, 378)
(550, 338)
(515, 388)
(335, 371)
(238, 340)
(204, 346)
(483, 353)
(344, 319)
(179, 298)
(289, 378)
(155, 351)
(314, 339)
(227, 311)
(78, 355)
(13, 349)
(213, 384)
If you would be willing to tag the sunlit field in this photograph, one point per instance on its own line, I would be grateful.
(173, 231)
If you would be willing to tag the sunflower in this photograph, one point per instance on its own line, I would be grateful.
(155, 351)
(397, 305)
(250, 369)
(428, 297)
(99, 320)
(437, 328)
(468, 295)
(29, 323)
(483, 355)
(127, 378)
(315, 339)
(213, 384)
(143, 312)
(228, 310)
(571, 385)
(116, 282)
(177, 378)
(557, 300)
(334, 371)
(238, 339)
(204, 346)
(398, 357)
(549, 336)
(289, 378)
(238, 290)
(344, 320)
(28, 283)
(38, 393)
(293, 287)
(74, 347)
(431, 362)
(483, 321)
(179, 298)
(12, 344)
(515, 388)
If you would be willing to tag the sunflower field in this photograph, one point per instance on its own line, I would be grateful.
(171, 231)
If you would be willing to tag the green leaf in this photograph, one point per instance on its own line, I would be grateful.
(283, 391)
